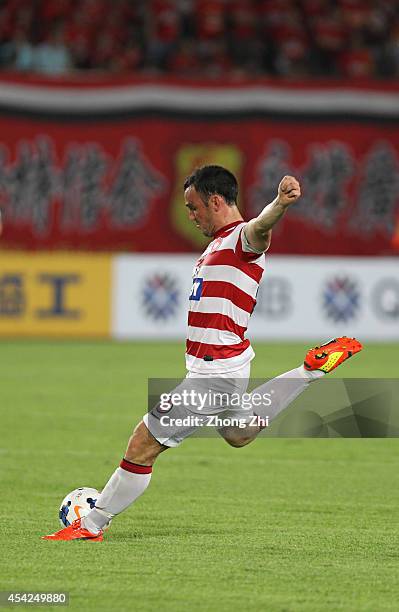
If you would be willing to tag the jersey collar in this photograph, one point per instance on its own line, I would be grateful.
(225, 228)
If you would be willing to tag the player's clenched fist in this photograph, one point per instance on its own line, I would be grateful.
(289, 190)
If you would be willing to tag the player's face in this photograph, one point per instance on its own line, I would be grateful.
(199, 212)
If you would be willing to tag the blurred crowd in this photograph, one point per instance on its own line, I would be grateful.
(202, 38)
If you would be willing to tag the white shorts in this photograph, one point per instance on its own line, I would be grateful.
(171, 421)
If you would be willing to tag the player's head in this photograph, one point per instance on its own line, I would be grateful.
(210, 194)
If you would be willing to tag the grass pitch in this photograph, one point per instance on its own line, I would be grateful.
(281, 525)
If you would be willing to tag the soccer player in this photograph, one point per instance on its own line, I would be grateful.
(218, 356)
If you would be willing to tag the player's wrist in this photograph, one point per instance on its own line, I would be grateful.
(280, 205)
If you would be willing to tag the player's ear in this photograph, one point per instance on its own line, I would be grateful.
(216, 202)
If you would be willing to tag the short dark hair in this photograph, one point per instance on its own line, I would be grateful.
(214, 180)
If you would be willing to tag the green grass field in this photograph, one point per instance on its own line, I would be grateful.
(282, 525)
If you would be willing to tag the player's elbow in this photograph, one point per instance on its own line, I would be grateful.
(258, 237)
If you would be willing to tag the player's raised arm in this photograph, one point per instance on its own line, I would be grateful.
(258, 230)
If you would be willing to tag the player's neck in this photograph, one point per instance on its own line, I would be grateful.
(228, 220)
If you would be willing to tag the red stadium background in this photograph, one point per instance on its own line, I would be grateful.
(100, 165)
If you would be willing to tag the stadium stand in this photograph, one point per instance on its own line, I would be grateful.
(202, 38)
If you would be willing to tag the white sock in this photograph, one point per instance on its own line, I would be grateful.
(311, 374)
(284, 389)
(126, 484)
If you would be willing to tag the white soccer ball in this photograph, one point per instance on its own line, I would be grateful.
(77, 504)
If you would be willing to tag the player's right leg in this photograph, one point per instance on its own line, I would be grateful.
(126, 484)
(284, 389)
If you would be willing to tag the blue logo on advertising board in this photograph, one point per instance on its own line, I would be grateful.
(341, 298)
(160, 296)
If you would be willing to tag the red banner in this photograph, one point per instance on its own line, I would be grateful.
(108, 175)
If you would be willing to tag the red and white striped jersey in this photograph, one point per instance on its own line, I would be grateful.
(225, 283)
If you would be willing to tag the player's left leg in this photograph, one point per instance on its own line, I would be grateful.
(132, 477)
(126, 484)
(150, 438)
(129, 480)
(284, 389)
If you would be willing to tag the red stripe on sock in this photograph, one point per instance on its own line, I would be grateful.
(135, 468)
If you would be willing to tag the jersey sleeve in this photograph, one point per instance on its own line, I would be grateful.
(244, 250)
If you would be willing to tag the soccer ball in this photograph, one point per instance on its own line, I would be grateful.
(77, 504)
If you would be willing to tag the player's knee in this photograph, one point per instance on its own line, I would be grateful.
(237, 443)
(237, 439)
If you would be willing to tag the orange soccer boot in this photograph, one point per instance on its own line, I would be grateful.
(331, 354)
(75, 532)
